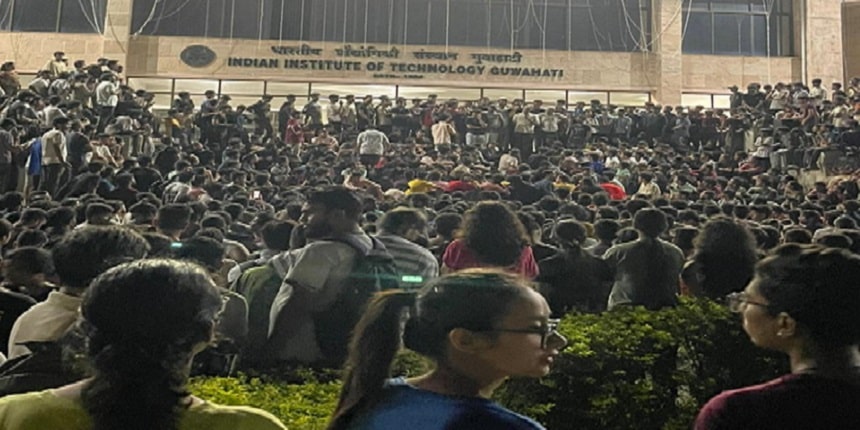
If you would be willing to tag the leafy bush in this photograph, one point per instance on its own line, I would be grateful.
(307, 406)
(635, 368)
(626, 369)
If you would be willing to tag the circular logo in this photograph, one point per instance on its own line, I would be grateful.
(198, 56)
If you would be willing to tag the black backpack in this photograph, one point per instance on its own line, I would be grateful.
(42, 369)
(372, 272)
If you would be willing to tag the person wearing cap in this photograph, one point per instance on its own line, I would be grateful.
(57, 65)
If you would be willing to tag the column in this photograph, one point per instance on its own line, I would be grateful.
(668, 29)
(117, 30)
(824, 55)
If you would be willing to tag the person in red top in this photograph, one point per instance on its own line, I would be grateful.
(294, 133)
(803, 302)
(491, 236)
(464, 184)
(615, 191)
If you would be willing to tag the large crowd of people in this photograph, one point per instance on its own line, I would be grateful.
(116, 217)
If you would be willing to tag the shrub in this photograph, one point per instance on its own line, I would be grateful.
(635, 368)
(626, 369)
(307, 406)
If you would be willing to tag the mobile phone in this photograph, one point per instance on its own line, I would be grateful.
(256, 195)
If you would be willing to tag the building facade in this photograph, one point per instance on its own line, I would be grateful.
(619, 51)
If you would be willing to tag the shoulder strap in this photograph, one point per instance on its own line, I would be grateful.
(359, 247)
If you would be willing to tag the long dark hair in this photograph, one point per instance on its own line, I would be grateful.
(494, 234)
(142, 321)
(445, 304)
(651, 223)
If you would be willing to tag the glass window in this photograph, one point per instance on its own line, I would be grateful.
(587, 96)
(548, 97)
(6, 15)
(153, 85)
(358, 91)
(78, 16)
(162, 101)
(443, 93)
(597, 25)
(497, 93)
(739, 27)
(35, 15)
(629, 99)
(196, 86)
(249, 88)
(62, 16)
(689, 100)
(298, 89)
(722, 101)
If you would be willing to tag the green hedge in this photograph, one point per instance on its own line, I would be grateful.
(627, 369)
(637, 369)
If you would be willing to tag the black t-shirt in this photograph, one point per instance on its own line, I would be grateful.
(144, 177)
(474, 126)
(12, 305)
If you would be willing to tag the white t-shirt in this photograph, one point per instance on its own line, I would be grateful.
(320, 268)
(44, 322)
(372, 142)
(106, 94)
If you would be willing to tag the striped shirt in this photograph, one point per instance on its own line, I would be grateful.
(409, 258)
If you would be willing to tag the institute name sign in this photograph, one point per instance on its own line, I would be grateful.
(395, 63)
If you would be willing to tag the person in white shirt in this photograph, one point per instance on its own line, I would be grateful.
(52, 111)
(443, 131)
(817, 93)
(372, 145)
(334, 113)
(107, 97)
(78, 258)
(57, 65)
(509, 162)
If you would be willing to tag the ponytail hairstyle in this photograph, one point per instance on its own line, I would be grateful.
(651, 223)
(142, 322)
(443, 305)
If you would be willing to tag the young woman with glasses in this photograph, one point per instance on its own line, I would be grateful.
(803, 301)
(479, 327)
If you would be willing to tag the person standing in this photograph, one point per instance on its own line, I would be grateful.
(107, 97)
(8, 148)
(372, 145)
(54, 155)
(476, 136)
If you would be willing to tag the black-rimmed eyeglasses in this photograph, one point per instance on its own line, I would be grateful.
(546, 332)
(738, 301)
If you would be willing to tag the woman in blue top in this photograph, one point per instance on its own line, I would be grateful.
(478, 326)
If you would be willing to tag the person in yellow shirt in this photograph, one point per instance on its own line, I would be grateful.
(420, 185)
(143, 321)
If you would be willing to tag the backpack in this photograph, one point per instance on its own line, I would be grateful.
(372, 272)
(42, 369)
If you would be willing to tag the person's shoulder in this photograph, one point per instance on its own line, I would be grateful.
(238, 418)
(495, 416)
